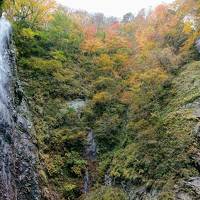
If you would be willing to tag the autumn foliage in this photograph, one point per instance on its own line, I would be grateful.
(124, 71)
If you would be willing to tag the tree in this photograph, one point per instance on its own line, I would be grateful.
(30, 13)
(63, 32)
(99, 20)
(128, 17)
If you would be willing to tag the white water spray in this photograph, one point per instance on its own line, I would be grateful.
(5, 71)
(7, 189)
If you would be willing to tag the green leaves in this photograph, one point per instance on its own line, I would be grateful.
(125, 74)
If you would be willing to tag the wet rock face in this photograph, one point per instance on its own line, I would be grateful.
(18, 154)
(25, 151)
(25, 160)
(136, 192)
(7, 164)
(7, 182)
(189, 190)
(198, 45)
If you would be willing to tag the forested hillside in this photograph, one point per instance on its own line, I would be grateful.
(115, 103)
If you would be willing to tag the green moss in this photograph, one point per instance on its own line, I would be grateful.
(70, 191)
(43, 177)
(162, 150)
(106, 193)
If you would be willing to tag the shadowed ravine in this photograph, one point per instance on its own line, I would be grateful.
(18, 154)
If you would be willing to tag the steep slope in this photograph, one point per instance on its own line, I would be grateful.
(18, 164)
(175, 151)
(173, 155)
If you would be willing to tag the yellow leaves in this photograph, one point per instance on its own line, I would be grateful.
(45, 65)
(120, 58)
(146, 39)
(109, 65)
(104, 82)
(187, 29)
(104, 60)
(116, 42)
(35, 12)
(77, 170)
(68, 187)
(189, 42)
(92, 45)
(54, 67)
(63, 75)
(58, 55)
(154, 76)
(53, 163)
(146, 84)
(28, 33)
(102, 97)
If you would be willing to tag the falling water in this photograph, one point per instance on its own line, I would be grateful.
(86, 182)
(107, 179)
(7, 189)
(91, 153)
(5, 72)
(91, 148)
(198, 45)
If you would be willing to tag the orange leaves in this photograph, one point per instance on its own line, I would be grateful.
(113, 28)
(126, 97)
(116, 42)
(91, 43)
(94, 44)
(146, 39)
(160, 13)
(90, 31)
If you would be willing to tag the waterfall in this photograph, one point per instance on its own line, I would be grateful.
(91, 153)
(198, 45)
(18, 154)
(5, 71)
(107, 179)
(86, 182)
(7, 186)
(91, 148)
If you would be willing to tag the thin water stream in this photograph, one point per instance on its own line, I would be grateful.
(91, 154)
